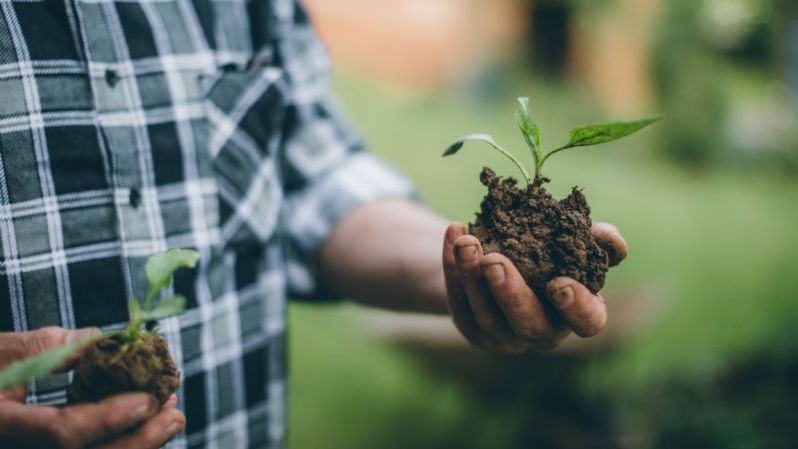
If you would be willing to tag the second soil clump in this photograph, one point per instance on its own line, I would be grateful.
(109, 367)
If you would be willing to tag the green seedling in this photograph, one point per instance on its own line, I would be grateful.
(579, 137)
(160, 269)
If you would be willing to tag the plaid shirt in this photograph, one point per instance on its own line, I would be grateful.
(132, 126)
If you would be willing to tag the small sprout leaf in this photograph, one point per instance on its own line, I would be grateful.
(453, 148)
(161, 266)
(165, 308)
(487, 138)
(20, 372)
(479, 137)
(529, 129)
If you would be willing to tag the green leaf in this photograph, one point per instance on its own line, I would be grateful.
(455, 147)
(596, 134)
(165, 308)
(529, 129)
(20, 372)
(161, 266)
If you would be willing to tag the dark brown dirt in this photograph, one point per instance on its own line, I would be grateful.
(545, 238)
(105, 369)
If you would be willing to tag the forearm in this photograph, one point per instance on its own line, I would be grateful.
(388, 254)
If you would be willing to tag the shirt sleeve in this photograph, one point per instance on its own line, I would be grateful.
(326, 171)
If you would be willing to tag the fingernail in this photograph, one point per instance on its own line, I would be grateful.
(456, 230)
(563, 296)
(467, 254)
(495, 274)
(173, 429)
(623, 248)
(141, 413)
(145, 410)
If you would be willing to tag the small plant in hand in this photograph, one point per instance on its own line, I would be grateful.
(133, 359)
(544, 237)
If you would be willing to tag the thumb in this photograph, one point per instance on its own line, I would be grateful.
(41, 340)
(16, 346)
(82, 334)
(47, 338)
(77, 335)
(15, 394)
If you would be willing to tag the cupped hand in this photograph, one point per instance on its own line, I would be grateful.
(492, 306)
(124, 421)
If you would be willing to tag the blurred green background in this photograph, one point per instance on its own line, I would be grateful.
(698, 351)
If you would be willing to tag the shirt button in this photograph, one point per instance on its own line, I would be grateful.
(111, 77)
(135, 197)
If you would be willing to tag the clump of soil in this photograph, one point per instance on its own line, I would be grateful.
(545, 238)
(108, 367)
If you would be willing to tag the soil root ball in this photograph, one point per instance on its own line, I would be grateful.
(545, 238)
(109, 366)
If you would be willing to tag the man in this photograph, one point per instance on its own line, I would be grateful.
(133, 126)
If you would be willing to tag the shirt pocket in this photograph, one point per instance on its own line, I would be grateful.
(246, 111)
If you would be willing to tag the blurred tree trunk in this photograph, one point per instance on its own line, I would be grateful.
(549, 35)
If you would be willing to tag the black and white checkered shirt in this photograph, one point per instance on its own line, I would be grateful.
(132, 126)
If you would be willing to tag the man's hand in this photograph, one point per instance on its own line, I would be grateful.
(494, 308)
(123, 421)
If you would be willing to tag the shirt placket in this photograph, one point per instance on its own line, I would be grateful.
(122, 133)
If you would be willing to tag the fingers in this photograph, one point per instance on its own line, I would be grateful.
(14, 394)
(46, 338)
(19, 345)
(485, 311)
(89, 423)
(78, 335)
(456, 296)
(609, 239)
(154, 433)
(77, 426)
(584, 312)
(494, 307)
(171, 402)
(519, 304)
